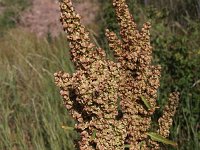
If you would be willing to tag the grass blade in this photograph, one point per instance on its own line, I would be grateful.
(157, 137)
(146, 102)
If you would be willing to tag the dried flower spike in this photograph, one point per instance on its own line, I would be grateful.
(112, 102)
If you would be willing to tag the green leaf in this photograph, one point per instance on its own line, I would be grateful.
(141, 144)
(127, 146)
(146, 102)
(94, 134)
(157, 137)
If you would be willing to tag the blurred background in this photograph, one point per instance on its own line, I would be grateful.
(33, 47)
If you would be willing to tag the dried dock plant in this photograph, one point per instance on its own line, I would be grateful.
(113, 102)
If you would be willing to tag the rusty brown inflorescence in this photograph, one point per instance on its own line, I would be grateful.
(112, 101)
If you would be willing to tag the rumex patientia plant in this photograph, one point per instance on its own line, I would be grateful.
(113, 101)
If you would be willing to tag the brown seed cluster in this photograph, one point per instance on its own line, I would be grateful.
(112, 101)
(166, 121)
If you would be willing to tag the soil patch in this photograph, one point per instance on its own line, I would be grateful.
(42, 17)
(2, 8)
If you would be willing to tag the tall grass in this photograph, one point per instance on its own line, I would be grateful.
(31, 110)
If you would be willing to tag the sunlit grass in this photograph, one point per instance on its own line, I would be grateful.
(32, 113)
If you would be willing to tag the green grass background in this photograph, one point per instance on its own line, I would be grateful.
(31, 108)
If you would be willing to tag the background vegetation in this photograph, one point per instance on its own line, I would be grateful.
(31, 110)
(9, 18)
